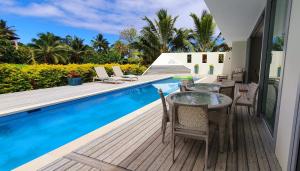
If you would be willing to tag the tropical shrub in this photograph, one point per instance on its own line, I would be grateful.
(14, 78)
(8, 53)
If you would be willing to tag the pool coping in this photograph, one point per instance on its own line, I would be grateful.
(63, 100)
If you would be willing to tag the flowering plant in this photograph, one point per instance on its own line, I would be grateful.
(73, 74)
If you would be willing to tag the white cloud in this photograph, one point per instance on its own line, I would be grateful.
(105, 16)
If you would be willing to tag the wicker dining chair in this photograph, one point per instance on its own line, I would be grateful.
(232, 119)
(185, 83)
(228, 91)
(166, 115)
(249, 99)
(190, 121)
(238, 75)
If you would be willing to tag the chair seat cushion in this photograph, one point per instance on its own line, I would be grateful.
(130, 76)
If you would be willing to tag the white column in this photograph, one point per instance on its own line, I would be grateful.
(239, 53)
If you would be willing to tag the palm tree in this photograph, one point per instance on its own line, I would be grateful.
(100, 44)
(161, 28)
(278, 43)
(7, 32)
(181, 41)
(49, 48)
(121, 48)
(204, 40)
(77, 48)
(156, 36)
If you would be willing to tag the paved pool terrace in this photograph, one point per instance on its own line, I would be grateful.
(28, 100)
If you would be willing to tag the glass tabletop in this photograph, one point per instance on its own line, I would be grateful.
(204, 87)
(214, 100)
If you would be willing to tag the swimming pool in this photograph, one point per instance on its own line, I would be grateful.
(28, 135)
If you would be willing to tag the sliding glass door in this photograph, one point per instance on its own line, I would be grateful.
(274, 61)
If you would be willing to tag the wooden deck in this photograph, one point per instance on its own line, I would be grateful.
(137, 145)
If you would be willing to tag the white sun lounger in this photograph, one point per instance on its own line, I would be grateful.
(119, 74)
(103, 76)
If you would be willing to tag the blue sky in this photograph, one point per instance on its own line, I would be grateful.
(87, 18)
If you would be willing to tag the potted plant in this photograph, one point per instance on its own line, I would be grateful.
(74, 78)
(196, 69)
(211, 69)
(278, 71)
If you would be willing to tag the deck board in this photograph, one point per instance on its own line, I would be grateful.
(241, 149)
(250, 148)
(137, 145)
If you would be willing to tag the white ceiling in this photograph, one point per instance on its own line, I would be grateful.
(236, 18)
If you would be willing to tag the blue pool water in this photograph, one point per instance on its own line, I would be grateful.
(28, 135)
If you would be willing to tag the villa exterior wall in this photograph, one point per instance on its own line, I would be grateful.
(290, 91)
(196, 58)
(239, 54)
(277, 60)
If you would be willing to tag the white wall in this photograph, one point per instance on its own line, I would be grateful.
(289, 89)
(239, 54)
(212, 59)
(277, 60)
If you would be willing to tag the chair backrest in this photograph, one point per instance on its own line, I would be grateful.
(117, 71)
(228, 82)
(182, 88)
(187, 82)
(184, 84)
(252, 92)
(192, 117)
(101, 72)
(238, 70)
(228, 90)
(164, 105)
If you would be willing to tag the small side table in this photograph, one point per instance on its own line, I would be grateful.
(222, 77)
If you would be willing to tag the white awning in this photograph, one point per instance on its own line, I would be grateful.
(236, 18)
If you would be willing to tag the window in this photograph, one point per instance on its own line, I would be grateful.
(274, 66)
(221, 58)
(189, 58)
(204, 58)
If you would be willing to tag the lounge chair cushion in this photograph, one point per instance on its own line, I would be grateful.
(130, 76)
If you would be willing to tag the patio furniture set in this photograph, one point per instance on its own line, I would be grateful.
(198, 105)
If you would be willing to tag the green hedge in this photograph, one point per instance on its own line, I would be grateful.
(14, 78)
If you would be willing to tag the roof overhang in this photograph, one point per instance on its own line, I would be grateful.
(236, 18)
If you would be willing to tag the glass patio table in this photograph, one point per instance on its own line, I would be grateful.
(211, 87)
(217, 107)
